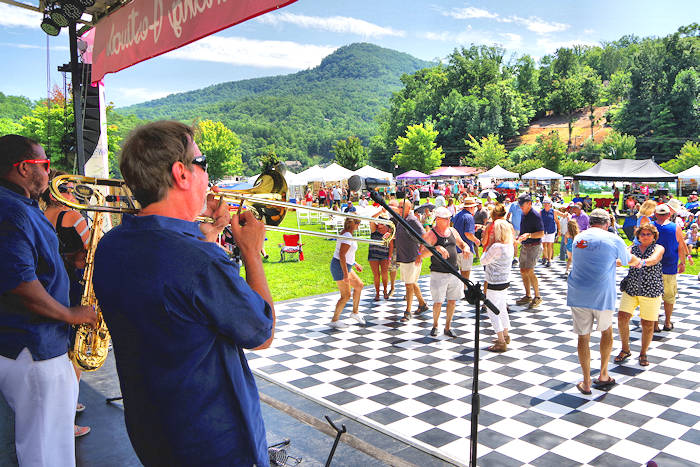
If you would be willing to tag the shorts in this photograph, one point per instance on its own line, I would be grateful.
(444, 285)
(583, 320)
(465, 264)
(410, 272)
(337, 271)
(529, 254)
(393, 265)
(670, 288)
(549, 238)
(648, 306)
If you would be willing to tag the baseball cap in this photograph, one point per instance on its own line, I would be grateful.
(547, 201)
(663, 209)
(443, 212)
(599, 214)
(524, 198)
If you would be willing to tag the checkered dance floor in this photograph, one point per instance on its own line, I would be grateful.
(397, 379)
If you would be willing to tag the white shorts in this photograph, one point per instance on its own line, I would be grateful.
(444, 285)
(549, 238)
(584, 317)
(410, 272)
(465, 264)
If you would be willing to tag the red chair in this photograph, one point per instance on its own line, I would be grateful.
(290, 247)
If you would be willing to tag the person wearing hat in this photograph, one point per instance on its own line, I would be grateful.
(673, 261)
(550, 231)
(592, 293)
(530, 239)
(36, 376)
(579, 216)
(693, 205)
(443, 284)
(465, 225)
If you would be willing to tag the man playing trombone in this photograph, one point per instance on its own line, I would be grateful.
(179, 313)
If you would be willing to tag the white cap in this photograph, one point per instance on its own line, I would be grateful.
(443, 212)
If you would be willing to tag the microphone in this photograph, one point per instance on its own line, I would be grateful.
(356, 183)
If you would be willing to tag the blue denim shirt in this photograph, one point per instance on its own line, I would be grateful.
(180, 316)
(28, 252)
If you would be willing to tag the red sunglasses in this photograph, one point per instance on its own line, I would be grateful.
(35, 161)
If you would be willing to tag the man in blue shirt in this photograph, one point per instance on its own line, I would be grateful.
(692, 205)
(36, 376)
(179, 313)
(592, 292)
(465, 225)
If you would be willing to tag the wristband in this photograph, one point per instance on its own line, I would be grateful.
(644, 262)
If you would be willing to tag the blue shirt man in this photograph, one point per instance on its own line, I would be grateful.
(179, 313)
(515, 214)
(463, 223)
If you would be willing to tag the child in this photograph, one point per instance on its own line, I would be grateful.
(692, 238)
(571, 232)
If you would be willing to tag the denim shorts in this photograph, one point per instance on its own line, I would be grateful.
(337, 271)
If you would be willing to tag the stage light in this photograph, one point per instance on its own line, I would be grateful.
(50, 27)
(86, 3)
(72, 8)
(59, 16)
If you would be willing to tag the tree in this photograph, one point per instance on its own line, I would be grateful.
(590, 91)
(9, 127)
(566, 99)
(350, 153)
(418, 150)
(569, 168)
(688, 156)
(549, 150)
(618, 146)
(485, 153)
(528, 165)
(222, 148)
(618, 87)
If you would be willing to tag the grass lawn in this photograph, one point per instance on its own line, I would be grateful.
(294, 279)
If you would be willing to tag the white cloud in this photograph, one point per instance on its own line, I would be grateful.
(468, 36)
(469, 12)
(540, 26)
(255, 53)
(140, 94)
(337, 24)
(550, 46)
(54, 48)
(588, 31)
(13, 16)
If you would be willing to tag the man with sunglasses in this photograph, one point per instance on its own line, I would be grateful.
(36, 376)
(179, 312)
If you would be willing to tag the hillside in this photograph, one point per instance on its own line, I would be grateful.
(560, 124)
(299, 115)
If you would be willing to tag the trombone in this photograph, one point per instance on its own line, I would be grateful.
(267, 200)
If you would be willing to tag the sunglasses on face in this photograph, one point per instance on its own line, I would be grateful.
(201, 161)
(34, 161)
(646, 234)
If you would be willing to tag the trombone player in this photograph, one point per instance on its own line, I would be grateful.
(178, 311)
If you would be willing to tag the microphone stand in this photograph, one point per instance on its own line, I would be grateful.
(474, 295)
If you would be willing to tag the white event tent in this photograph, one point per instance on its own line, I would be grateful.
(332, 173)
(499, 173)
(369, 171)
(541, 174)
(689, 174)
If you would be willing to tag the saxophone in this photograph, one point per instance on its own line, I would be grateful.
(90, 347)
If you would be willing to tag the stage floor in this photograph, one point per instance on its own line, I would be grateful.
(397, 379)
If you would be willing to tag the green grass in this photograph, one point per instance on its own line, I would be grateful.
(294, 279)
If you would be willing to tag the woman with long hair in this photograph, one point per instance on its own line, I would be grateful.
(342, 271)
(646, 210)
(571, 231)
(378, 257)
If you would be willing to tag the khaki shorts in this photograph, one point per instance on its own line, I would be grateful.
(670, 288)
(648, 306)
(465, 264)
(529, 255)
(584, 317)
(444, 285)
(410, 272)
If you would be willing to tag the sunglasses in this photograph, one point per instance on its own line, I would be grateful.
(201, 161)
(34, 161)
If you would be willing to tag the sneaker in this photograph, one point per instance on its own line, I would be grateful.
(433, 332)
(548, 264)
(337, 324)
(523, 300)
(359, 318)
(79, 431)
(515, 262)
(450, 333)
(535, 302)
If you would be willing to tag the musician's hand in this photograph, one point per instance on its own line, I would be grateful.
(83, 315)
(248, 233)
(358, 267)
(217, 209)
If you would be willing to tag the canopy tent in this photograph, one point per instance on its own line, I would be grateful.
(689, 174)
(332, 173)
(369, 171)
(447, 172)
(412, 175)
(541, 174)
(627, 170)
(509, 185)
(499, 173)
(242, 185)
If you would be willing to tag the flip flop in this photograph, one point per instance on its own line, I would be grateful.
(622, 356)
(579, 386)
(603, 385)
(668, 328)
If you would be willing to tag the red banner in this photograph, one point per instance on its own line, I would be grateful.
(144, 29)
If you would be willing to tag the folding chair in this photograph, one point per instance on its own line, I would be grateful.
(291, 247)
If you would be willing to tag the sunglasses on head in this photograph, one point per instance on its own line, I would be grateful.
(34, 161)
(201, 161)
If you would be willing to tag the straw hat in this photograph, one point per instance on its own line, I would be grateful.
(468, 203)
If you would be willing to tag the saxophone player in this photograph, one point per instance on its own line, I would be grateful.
(36, 375)
(180, 314)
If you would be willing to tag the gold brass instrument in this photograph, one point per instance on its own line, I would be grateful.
(267, 200)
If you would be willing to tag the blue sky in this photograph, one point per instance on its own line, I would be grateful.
(300, 35)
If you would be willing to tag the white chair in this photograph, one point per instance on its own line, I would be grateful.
(303, 216)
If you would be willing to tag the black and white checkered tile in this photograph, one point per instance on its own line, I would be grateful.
(396, 378)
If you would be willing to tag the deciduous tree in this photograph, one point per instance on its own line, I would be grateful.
(350, 153)
(418, 150)
(222, 148)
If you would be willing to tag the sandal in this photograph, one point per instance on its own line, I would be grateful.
(79, 407)
(643, 360)
(406, 316)
(603, 385)
(579, 386)
(668, 328)
(376, 298)
(622, 356)
(506, 338)
(386, 295)
(421, 309)
(499, 347)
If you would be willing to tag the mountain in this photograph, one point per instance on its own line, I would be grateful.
(298, 116)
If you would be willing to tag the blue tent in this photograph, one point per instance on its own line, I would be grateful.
(509, 185)
(235, 186)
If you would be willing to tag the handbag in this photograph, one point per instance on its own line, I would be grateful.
(624, 283)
